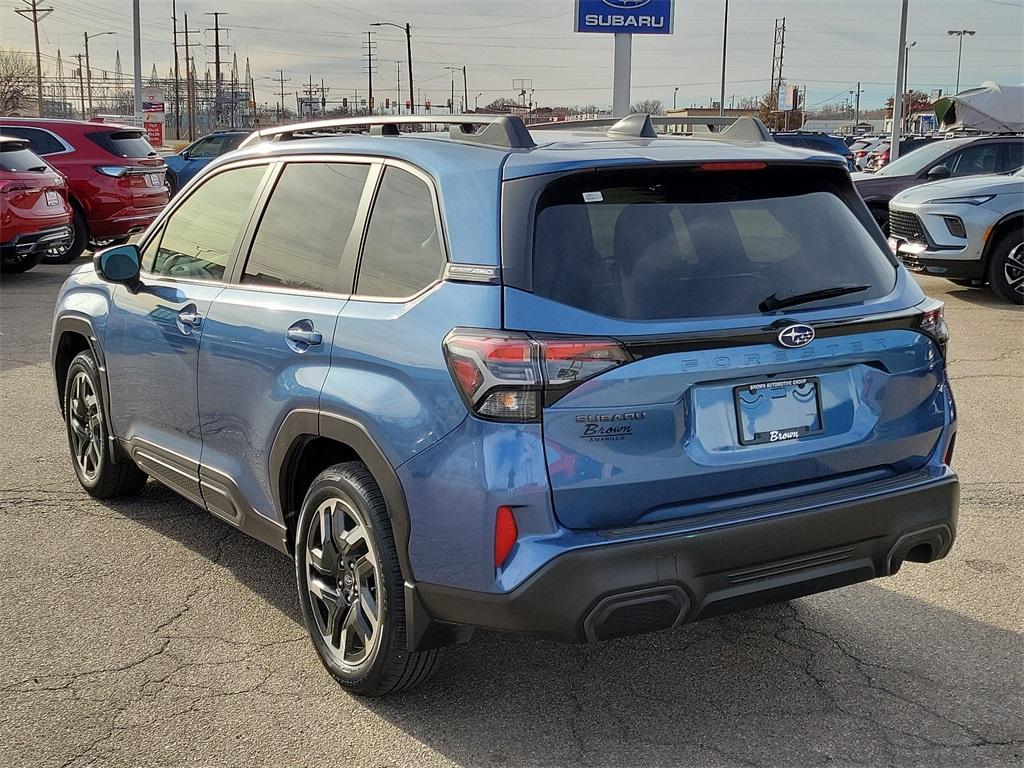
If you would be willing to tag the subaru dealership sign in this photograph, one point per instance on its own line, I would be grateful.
(636, 17)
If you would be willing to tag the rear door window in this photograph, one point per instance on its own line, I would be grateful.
(975, 159)
(684, 243)
(42, 142)
(305, 227)
(402, 254)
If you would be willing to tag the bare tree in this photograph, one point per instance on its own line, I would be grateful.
(648, 107)
(16, 73)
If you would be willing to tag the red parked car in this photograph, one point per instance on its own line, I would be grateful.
(115, 178)
(34, 212)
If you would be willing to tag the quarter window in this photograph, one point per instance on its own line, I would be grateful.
(402, 254)
(975, 159)
(308, 221)
(200, 235)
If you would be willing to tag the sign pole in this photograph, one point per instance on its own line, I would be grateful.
(621, 74)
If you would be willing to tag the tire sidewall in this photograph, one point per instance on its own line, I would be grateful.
(997, 265)
(84, 362)
(79, 240)
(330, 484)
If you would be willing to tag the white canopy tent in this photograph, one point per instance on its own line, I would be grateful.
(991, 108)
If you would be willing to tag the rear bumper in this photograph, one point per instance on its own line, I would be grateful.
(128, 221)
(33, 242)
(617, 589)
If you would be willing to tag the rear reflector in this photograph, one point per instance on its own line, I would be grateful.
(948, 458)
(505, 535)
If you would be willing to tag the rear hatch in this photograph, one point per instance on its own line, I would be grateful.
(33, 189)
(135, 163)
(722, 381)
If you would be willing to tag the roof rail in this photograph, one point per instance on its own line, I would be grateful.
(643, 126)
(505, 131)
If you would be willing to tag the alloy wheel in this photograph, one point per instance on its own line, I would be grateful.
(343, 581)
(1013, 269)
(84, 420)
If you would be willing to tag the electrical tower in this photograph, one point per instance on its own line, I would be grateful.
(777, 52)
(218, 77)
(281, 80)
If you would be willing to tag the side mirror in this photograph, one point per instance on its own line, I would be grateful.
(185, 155)
(119, 264)
(939, 172)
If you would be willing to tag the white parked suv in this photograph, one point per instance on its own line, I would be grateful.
(967, 230)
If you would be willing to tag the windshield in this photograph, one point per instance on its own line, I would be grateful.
(684, 243)
(914, 162)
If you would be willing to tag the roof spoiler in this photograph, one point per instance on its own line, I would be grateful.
(641, 126)
(501, 131)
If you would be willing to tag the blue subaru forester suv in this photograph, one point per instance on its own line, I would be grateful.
(567, 384)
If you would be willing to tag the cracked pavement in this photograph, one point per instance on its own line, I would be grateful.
(144, 632)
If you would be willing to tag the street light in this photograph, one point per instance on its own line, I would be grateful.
(675, 92)
(476, 102)
(960, 33)
(906, 67)
(88, 69)
(725, 38)
(408, 49)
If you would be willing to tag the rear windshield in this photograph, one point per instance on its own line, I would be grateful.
(130, 144)
(684, 243)
(18, 160)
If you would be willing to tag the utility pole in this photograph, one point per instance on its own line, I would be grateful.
(216, 64)
(323, 98)
(369, 70)
(398, 74)
(81, 84)
(408, 50)
(897, 100)
(35, 14)
(137, 50)
(725, 39)
(959, 55)
(88, 67)
(177, 77)
(281, 80)
(856, 109)
(190, 82)
(465, 90)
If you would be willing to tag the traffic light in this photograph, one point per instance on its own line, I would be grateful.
(426, 104)
(344, 104)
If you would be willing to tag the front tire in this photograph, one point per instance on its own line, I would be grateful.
(350, 585)
(1006, 267)
(91, 457)
(881, 217)
(75, 247)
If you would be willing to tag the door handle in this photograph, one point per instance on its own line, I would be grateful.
(303, 335)
(189, 319)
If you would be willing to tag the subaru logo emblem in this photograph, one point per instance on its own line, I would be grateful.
(626, 5)
(796, 336)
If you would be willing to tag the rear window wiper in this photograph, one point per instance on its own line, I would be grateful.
(774, 302)
(36, 169)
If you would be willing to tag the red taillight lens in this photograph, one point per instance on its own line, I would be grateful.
(505, 534)
(504, 376)
(948, 458)
(933, 323)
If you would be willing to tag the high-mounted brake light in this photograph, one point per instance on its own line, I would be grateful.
(504, 376)
(733, 166)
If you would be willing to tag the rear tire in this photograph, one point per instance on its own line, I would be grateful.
(881, 217)
(74, 248)
(350, 585)
(1006, 267)
(88, 438)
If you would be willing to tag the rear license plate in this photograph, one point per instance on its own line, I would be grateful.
(776, 411)
(155, 179)
(52, 198)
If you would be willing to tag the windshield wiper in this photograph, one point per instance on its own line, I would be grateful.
(773, 302)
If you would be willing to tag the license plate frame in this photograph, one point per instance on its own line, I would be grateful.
(52, 198)
(154, 180)
(798, 394)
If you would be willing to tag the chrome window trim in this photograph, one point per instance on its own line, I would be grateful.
(67, 147)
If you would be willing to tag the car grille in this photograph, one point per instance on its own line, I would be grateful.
(906, 226)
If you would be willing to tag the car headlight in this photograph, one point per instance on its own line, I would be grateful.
(966, 200)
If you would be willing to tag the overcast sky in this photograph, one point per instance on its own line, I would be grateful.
(830, 45)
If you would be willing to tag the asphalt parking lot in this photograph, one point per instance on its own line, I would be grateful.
(147, 633)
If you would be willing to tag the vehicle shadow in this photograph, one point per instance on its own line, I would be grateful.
(854, 677)
(982, 296)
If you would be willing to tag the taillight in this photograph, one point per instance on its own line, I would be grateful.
(734, 165)
(504, 376)
(7, 187)
(948, 458)
(933, 323)
(116, 171)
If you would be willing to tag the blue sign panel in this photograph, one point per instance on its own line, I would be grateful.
(637, 17)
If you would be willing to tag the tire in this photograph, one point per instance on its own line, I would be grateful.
(90, 449)
(342, 589)
(172, 185)
(75, 248)
(1006, 267)
(881, 217)
(17, 267)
